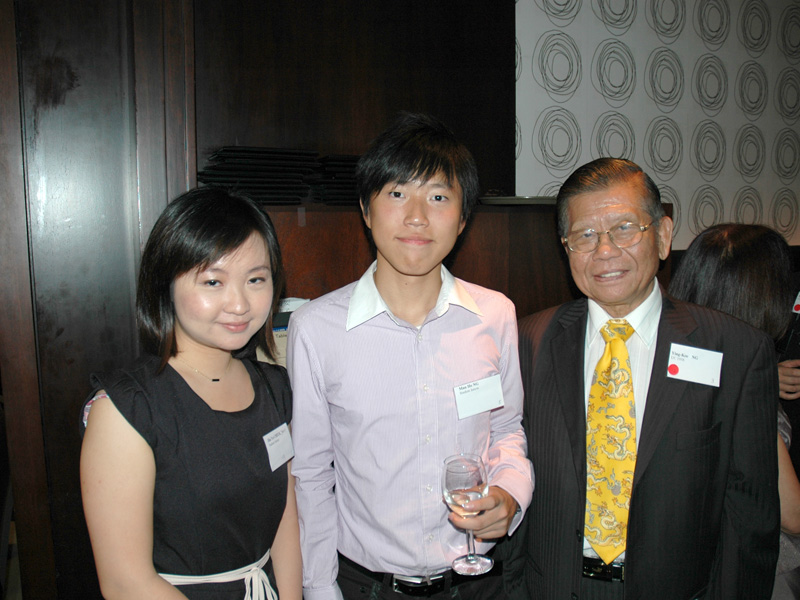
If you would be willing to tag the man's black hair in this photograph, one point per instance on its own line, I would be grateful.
(417, 147)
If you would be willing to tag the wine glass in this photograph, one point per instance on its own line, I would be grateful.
(464, 479)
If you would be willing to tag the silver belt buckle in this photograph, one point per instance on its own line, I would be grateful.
(414, 581)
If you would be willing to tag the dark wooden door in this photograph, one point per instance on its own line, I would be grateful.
(97, 133)
(18, 359)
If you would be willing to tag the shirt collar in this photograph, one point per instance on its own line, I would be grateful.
(366, 301)
(644, 318)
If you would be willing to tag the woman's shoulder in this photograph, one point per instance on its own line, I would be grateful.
(130, 389)
(274, 372)
(277, 380)
(134, 375)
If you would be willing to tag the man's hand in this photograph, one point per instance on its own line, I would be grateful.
(498, 509)
(789, 379)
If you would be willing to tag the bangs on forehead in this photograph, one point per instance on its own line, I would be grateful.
(424, 169)
(216, 249)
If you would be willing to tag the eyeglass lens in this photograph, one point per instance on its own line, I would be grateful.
(623, 235)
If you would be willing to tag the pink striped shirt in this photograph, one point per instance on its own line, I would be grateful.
(375, 416)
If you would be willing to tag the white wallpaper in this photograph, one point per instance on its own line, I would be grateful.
(703, 94)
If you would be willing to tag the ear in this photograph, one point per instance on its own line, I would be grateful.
(365, 214)
(462, 225)
(664, 234)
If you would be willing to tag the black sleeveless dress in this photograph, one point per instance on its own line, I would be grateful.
(217, 503)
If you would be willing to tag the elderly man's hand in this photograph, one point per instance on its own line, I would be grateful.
(789, 379)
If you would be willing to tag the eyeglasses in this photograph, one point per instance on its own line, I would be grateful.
(623, 235)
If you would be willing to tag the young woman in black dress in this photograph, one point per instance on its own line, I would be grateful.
(185, 461)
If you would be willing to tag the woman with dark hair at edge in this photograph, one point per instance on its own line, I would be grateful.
(185, 472)
(745, 271)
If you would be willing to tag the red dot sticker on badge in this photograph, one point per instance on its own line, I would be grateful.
(673, 369)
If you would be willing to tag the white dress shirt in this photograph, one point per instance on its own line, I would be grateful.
(375, 416)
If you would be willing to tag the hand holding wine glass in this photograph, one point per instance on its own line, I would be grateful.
(464, 480)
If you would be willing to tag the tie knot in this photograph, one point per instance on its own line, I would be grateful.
(616, 329)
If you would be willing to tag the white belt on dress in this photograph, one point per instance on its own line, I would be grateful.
(256, 582)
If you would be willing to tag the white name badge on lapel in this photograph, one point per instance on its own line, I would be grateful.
(478, 396)
(279, 446)
(694, 364)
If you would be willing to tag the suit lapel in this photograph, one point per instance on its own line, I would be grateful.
(567, 349)
(664, 393)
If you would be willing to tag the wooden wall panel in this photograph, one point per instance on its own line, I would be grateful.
(106, 130)
(510, 249)
(539, 271)
(163, 65)
(18, 360)
(477, 255)
(77, 119)
(329, 76)
(323, 248)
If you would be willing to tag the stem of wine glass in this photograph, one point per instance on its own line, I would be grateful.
(470, 545)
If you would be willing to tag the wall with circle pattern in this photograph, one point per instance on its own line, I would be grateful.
(703, 94)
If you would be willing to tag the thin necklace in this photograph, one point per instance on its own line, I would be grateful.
(199, 372)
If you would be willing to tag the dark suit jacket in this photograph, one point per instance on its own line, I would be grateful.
(704, 517)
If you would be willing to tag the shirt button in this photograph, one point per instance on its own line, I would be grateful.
(578, 533)
(430, 537)
(428, 439)
(419, 337)
(425, 388)
(429, 487)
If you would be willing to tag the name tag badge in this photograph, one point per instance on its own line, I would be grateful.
(694, 364)
(279, 446)
(478, 396)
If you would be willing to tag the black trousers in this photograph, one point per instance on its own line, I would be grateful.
(358, 586)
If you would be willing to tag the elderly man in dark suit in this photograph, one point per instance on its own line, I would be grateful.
(651, 422)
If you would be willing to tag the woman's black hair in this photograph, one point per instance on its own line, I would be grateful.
(417, 146)
(742, 270)
(195, 230)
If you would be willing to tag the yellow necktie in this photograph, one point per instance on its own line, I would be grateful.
(610, 445)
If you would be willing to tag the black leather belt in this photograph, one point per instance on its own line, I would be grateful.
(421, 585)
(597, 569)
